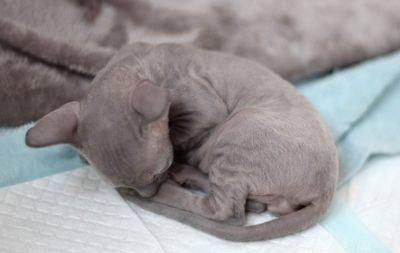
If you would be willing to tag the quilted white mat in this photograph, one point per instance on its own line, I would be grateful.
(78, 212)
(374, 196)
(70, 212)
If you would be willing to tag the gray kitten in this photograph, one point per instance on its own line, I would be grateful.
(250, 131)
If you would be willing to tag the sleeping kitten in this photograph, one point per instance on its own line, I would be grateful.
(250, 131)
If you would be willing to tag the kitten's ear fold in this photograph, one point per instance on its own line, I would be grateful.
(57, 127)
(150, 101)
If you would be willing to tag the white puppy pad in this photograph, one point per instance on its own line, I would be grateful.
(374, 196)
(78, 212)
(70, 212)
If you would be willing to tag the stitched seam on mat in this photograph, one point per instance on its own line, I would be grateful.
(145, 225)
(354, 239)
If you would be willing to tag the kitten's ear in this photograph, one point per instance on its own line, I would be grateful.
(57, 127)
(150, 101)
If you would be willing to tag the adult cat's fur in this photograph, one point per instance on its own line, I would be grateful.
(253, 134)
(86, 59)
(294, 38)
(48, 55)
(282, 35)
(29, 88)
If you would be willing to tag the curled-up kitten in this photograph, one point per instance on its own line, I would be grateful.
(249, 130)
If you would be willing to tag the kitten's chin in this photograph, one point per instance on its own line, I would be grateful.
(144, 192)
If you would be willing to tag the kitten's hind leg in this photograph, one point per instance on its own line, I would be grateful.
(216, 206)
(187, 175)
(255, 206)
(275, 204)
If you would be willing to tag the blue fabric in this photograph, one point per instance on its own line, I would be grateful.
(19, 163)
(350, 231)
(361, 106)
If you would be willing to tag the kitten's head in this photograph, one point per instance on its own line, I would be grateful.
(121, 132)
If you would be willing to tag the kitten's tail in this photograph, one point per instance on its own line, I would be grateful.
(84, 59)
(282, 226)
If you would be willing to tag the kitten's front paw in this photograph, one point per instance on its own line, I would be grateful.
(181, 174)
(127, 191)
(177, 177)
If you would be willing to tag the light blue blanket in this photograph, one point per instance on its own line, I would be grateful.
(360, 104)
(19, 163)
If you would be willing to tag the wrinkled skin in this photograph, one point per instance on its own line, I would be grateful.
(249, 131)
(124, 140)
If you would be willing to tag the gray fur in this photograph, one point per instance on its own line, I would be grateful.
(295, 39)
(69, 36)
(81, 58)
(49, 54)
(249, 130)
(30, 89)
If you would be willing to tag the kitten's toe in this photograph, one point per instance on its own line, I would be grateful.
(126, 191)
(255, 207)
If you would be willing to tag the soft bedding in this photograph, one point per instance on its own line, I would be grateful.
(76, 211)
(280, 34)
(359, 105)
